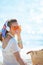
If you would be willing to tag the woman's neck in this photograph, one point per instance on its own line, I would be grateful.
(12, 33)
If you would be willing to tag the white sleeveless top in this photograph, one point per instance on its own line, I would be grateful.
(8, 57)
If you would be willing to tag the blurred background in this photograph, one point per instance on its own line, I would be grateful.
(29, 14)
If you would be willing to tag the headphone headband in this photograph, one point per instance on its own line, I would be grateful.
(4, 29)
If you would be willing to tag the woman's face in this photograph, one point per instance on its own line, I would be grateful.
(13, 28)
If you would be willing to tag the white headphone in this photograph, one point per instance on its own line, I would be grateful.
(7, 27)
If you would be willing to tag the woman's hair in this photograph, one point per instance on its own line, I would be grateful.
(4, 31)
(11, 21)
(0, 36)
(3, 36)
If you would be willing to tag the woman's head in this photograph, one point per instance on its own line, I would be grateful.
(12, 22)
(13, 25)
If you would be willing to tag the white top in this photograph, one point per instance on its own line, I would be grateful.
(8, 56)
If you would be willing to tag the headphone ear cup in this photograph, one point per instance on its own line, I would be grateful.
(8, 28)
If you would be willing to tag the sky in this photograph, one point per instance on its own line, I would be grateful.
(29, 14)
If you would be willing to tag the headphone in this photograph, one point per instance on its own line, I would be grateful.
(4, 29)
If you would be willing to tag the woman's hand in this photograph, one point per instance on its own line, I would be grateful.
(18, 33)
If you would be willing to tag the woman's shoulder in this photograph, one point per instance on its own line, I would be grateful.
(12, 40)
(7, 42)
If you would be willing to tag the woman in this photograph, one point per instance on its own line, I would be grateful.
(10, 49)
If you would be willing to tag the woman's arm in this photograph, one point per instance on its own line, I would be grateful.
(19, 59)
(19, 41)
(18, 32)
